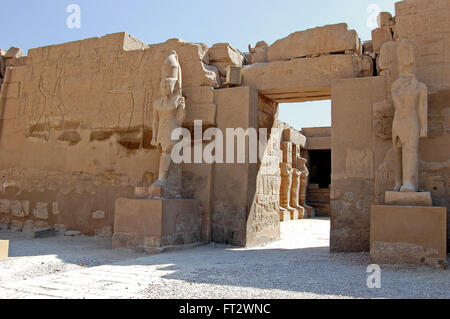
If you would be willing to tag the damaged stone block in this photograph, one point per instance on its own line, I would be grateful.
(381, 36)
(221, 55)
(14, 53)
(322, 40)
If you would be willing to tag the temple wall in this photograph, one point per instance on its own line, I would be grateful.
(353, 165)
(76, 129)
(234, 184)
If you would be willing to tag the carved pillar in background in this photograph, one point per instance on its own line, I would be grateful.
(304, 173)
(295, 192)
(285, 191)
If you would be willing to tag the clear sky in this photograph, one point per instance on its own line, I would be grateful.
(34, 23)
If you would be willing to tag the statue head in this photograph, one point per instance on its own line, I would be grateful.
(405, 54)
(171, 82)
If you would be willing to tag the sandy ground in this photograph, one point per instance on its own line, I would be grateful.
(298, 266)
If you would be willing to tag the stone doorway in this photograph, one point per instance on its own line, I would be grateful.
(313, 120)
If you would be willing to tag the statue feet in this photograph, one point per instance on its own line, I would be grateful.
(408, 188)
(157, 189)
(397, 187)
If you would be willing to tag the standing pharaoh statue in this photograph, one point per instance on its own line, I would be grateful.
(410, 99)
(169, 112)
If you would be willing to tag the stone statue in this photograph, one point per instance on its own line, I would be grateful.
(295, 192)
(410, 99)
(286, 185)
(304, 173)
(169, 112)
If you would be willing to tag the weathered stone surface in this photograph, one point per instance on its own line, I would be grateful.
(258, 54)
(408, 199)
(99, 214)
(105, 232)
(41, 210)
(222, 55)
(303, 73)
(165, 222)
(13, 53)
(380, 36)
(4, 206)
(411, 235)
(385, 19)
(328, 39)
(20, 208)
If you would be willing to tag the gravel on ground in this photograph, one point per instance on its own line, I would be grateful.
(298, 266)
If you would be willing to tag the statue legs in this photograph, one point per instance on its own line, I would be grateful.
(406, 168)
(158, 188)
(410, 169)
(398, 168)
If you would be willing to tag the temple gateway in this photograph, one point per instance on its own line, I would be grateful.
(86, 138)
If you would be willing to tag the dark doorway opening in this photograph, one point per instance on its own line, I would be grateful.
(320, 162)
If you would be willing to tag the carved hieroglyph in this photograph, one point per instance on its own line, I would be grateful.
(169, 112)
(410, 99)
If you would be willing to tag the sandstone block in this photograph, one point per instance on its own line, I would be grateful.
(224, 52)
(408, 235)
(233, 76)
(328, 39)
(381, 36)
(141, 223)
(313, 74)
(13, 53)
(199, 95)
(384, 19)
(203, 112)
(408, 199)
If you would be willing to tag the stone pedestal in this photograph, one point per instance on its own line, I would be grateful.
(408, 199)
(4, 249)
(152, 224)
(408, 235)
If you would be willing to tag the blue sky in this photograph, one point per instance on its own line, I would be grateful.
(34, 23)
